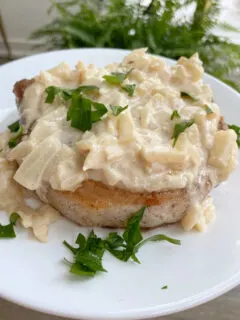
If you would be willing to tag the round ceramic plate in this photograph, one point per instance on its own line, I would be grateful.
(205, 265)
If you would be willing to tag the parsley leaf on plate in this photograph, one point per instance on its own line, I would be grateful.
(157, 237)
(8, 230)
(129, 88)
(80, 270)
(72, 249)
(132, 234)
(179, 128)
(164, 287)
(237, 130)
(116, 110)
(175, 114)
(114, 240)
(88, 256)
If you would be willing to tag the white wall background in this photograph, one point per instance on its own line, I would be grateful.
(21, 17)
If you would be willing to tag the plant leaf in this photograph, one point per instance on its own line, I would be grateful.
(179, 128)
(79, 113)
(14, 127)
(129, 88)
(80, 270)
(116, 110)
(187, 95)
(115, 77)
(175, 114)
(16, 138)
(237, 130)
(157, 237)
(208, 109)
(132, 234)
(114, 240)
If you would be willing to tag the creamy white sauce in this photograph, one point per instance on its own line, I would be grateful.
(132, 151)
(12, 199)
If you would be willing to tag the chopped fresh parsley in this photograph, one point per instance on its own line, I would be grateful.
(66, 94)
(86, 89)
(14, 127)
(179, 128)
(88, 255)
(164, 287)
(187, 95)
(116, 77)
(114, 240)
(175, 114)
(237, 130)
(16, 138)
(157, 237)
(79, 113)
(129, 88)
(8, 230)
(89, 252)
(82, 111)
(208, 109)
(116, 110)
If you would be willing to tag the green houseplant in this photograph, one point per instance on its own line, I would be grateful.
(161, 26)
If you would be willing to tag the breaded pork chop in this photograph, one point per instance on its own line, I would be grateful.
(95, 204)
(197, 163)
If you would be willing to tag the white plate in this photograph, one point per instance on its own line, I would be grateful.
(206, 265)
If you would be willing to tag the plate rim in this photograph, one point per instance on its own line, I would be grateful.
(143, 313)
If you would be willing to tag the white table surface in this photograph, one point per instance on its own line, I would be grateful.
(226, 307)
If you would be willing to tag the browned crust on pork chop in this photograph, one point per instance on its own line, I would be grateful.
(19, 88)
(95, 204)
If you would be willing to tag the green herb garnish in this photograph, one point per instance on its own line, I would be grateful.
(179, 128)
(14, 127)
(187, 95)
(116, 77)
(157, 237)
(237, 130)
(16, 138)
(164, 287)
(129, 88)
(66, 94)
(175, 114)
(114, 240)
(8, 230)
(116, 110)
(84, 112)
(89, 253)
(207, 109)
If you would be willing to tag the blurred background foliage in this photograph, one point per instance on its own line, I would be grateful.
(169, 28)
